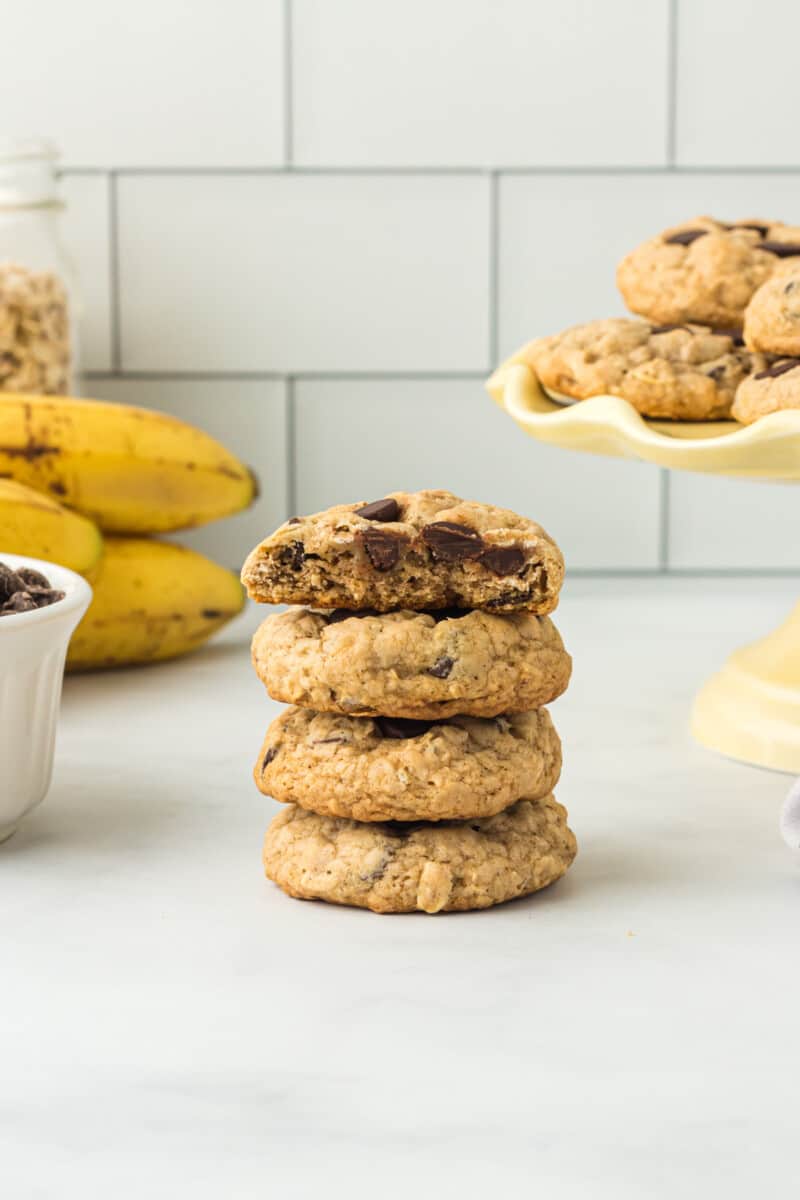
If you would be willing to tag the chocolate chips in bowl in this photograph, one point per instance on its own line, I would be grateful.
(25, 590)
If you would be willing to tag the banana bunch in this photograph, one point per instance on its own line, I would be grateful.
(74, 470)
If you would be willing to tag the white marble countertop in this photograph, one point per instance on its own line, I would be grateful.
(173, 1025)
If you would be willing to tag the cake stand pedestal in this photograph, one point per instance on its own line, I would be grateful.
(750, 710)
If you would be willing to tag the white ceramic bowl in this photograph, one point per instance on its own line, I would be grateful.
(33, 646)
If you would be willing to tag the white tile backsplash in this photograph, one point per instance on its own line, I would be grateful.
(304, 273)
(247, 416)
(738, 83)
(733, 523)
(86, 230)
(360, 439)
(363, 204)
(448, 82)
(156, 83)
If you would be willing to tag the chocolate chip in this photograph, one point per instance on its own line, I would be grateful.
(10, 582)
(344, 614)
(34, 578)
(294, 521)
(503, 560)
(448, 614)
(685, 237)
(515, 599)
(734, 334)
(402, 829)
(449, 542)
(781, 249)
(340, 740)
(44, 597)
(716, 373)
(401, 727)
(20, 602)
(380, 510)
(441, 668)
(761, 230)
(778, 368)
(293, 556)
(269, 756)
(668, 328)
(383, 549)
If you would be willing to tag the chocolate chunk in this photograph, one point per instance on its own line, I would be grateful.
(402, 829)
(383, 549)
(685, 237)
(441, 668)
(401, 727)
(781, 249)
(34, 578)
(734, 334)
(503, 560)
(293, 556)
(269, 756)
(294, 521)
(10, 582)
(448, 614)
(44, 597)
(668, 328)
(340, 739)
(761, 230)
(516, 599)
(20, 602)
(380, 510)
(343, 614)
(778, 368)
(449, 542)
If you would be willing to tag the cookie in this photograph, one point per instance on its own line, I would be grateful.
(418, 550)
(704, 270)
(420, 868)
(772, 318)
(390, 769)
(686, 372)
(406, 664)
(776, 387)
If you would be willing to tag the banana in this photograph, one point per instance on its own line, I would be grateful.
(152, 600)
(130, 469)
(34, 524)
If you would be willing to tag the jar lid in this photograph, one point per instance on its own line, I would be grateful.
(27, 172)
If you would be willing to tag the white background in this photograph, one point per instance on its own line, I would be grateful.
(314, 225)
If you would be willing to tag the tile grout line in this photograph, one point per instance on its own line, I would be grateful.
(281, 376)
(288, 85)
(494, 267)
(466, 171)
(672, 82)
(113, 269)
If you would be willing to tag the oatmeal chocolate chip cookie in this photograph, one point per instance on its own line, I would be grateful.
(416, 550)
(447, 867)
(391, 769)
(772, 318)
(685, 372)
(768, 391)
(704, 270)
(406, 664)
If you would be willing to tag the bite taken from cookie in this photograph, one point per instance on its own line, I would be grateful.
(408, 664)
(679, 372)
(389, 769)
(401, 868)
(704, 270)
(413, 550)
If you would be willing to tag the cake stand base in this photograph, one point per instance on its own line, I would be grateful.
(750, 710)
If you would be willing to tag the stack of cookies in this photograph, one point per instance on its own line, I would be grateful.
(417, 763)
(721, 331)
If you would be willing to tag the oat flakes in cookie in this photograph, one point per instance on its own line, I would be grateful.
(681, 372)
(390, 769)
(408, 664)
(704, 270)
(449, 867)
(413, 550)
(770, 390)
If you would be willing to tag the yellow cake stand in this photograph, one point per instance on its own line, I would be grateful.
(750, 710)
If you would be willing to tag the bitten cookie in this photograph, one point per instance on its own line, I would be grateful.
(419, 550)
(686, 372)
(406, 664)
(704, 270)
(772, 318)
(390, 769)
(427, 868)
(775, 388)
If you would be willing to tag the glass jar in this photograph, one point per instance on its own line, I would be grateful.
(38, 292)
